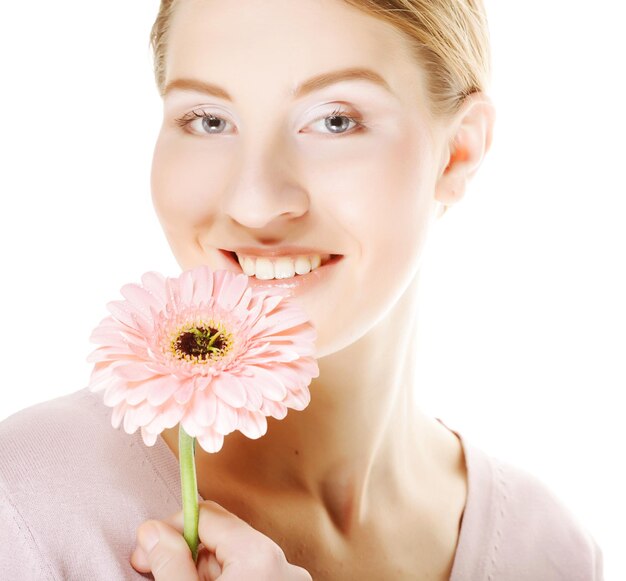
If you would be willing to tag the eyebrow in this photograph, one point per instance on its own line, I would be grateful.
(313, 84)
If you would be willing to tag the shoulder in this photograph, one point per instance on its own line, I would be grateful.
(515, 528)
(73, 490)
(57, 438)
(530, 503)
(533, 534)
(48, 413)
(66, 449)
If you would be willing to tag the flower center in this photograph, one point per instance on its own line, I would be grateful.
(201, 342)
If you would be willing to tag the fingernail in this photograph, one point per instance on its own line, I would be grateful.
(148, 537)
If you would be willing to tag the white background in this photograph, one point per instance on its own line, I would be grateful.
(523, 323)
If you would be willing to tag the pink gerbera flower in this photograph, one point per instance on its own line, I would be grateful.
(205, 350)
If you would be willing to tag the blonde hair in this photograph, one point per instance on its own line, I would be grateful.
(449, 38)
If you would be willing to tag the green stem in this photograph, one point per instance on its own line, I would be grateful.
(189, 489)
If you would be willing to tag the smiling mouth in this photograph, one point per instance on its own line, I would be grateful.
(232, 256)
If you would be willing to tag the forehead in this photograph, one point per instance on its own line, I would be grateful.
(278, 43)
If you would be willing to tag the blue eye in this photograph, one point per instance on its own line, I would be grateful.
(210, 123)
(338, 122)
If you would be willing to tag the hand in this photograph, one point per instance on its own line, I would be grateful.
(230, 550)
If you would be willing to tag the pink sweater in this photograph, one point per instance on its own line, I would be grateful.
(73, 491)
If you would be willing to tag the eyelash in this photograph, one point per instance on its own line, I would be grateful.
(339, 112)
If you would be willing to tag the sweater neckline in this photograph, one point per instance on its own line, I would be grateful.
(476, 530)
(476, 520)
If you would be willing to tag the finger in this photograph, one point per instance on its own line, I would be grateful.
(301, 573)
(233, 540)
(208, 567)
(230, 538)
(139, 559)
(212, 518)
(165, 551)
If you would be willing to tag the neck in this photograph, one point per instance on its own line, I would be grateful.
(359, 440)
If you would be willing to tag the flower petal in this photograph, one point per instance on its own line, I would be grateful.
(118, 414)
(154, 283)
(148, 438)
(103, 385)
(221, 278)
(108, 336)
(298, 399)
(185, 287)
(166, 417)
(204, 407)
(203, 284)
(140, 352)
(141, 299)
(229, 389)
(161, 388)
(274, 352)
(144, 413)
(211, 441)
(231, 292)
(253, 425)
(172, 292)
(275, 323)
(130, 426)
(254, 397)
(185, 390)
(225, 418)
(135, 371)
(109, 354)
(269, 383)
(299, 372)
(191, 426)
(241, 309)
(136, 392)
(271, 302)
(255, 308)
(290, 374)
(171, 414)
(275, 409)
(126, 314)
(115, 392)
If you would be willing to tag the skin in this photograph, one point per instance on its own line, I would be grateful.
(361, 484)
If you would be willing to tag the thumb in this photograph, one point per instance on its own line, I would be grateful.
(164, 551)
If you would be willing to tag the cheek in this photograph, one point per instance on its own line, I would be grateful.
(380, 192)
(184, 183)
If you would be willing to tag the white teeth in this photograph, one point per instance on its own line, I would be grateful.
(248, 266)
(280, 267)
(303, 265)
(283, 267)
(264, 268)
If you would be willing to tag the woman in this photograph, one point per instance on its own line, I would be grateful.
(297, 129)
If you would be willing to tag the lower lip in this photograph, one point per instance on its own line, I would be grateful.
(297, 284)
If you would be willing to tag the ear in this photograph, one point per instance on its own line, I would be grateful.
(468, 139)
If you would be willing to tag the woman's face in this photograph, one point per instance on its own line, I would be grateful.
(276, 169)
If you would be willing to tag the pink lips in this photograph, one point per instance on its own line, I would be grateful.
(281, 251)
(299, 283)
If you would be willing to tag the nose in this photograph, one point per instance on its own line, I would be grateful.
(264, 191)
